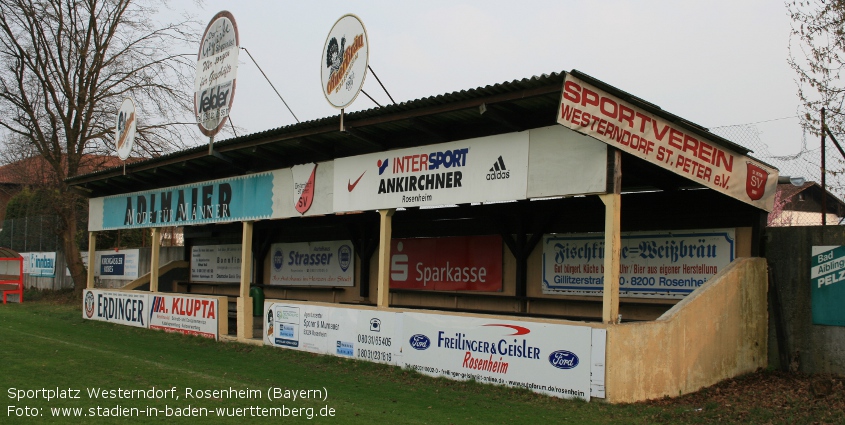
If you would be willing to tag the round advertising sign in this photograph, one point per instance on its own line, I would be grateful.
(124, 135)
(217, 67)
(344, 63)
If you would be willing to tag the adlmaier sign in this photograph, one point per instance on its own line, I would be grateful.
(620, 124)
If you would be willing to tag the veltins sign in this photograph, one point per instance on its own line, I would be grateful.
(124, 136)
(827, 285)
(344, 62)
(217, 67)
(594, 112)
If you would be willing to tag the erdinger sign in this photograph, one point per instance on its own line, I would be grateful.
(594, 112)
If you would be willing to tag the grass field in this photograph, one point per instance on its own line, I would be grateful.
(47, 346)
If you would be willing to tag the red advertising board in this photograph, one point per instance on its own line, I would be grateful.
(463, 263)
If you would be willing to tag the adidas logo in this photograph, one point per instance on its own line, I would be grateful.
(498, 171)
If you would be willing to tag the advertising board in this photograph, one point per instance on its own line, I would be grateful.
(125, 308)
(217, 68)
(216, 263)
(621, 124)
(39, 264)
(827, 285)
(343, 66)
(653, 264)
(190, 315)
(485, 169)
(327, 263)
(354, 333)
(117, 264)
(464, 263)
(548, 358)
(124, 137)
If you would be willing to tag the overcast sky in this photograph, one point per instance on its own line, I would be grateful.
(714, 63)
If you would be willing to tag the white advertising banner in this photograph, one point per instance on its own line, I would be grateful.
(328, 263)
(493, 168)
(653, 264)
(39, 264)
(216, 263)
(190, 315)
(620, 124)
(125, 308)
(117, 264)
(355, 333)
(543, 357)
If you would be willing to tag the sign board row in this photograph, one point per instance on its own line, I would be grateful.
(553, 359)
(192, 315)
(493, 168)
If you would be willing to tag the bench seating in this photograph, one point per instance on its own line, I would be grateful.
(11, 285)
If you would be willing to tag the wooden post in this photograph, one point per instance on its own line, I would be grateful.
(612, 256)
(244, 302)
(612, 238)
(92, 246)
(155, 246)
(385, 234)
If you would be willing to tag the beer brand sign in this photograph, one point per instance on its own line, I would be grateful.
(344, 62)
(217, 66)
(594, 112)
(125, 126)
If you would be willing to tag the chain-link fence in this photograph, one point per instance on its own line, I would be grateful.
(31, 234)
(798, 205)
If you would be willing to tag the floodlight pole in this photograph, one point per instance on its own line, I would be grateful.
(824, 186)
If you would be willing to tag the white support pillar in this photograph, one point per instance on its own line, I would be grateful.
(244, 302)
(92, 247)
(612, 256)
(154, 259)
(385, 234)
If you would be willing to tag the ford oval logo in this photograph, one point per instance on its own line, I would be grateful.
(420, 342)
(563, 359)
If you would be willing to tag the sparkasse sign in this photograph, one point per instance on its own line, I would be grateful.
(462, 263)
(620, 124)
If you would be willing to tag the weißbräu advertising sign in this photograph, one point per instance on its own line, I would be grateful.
(654, 264)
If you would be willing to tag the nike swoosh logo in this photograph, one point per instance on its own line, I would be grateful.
(350, 186)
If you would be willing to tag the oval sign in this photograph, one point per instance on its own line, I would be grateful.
(124, 135)
(217, 67)
(419, 342)
(563, 359)
(344, 63)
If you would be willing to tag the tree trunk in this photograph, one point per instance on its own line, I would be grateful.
(74, 261)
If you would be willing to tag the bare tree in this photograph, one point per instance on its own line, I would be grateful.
(817, 54)
(66, 66)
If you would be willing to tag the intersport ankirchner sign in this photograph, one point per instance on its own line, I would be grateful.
(596, 113)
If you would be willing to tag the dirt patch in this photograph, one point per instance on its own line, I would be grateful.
(761, 397)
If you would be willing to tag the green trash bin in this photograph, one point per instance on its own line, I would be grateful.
(257, 295)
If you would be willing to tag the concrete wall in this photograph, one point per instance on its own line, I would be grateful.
(809, 348)
(717, 332)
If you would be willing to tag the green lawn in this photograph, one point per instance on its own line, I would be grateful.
(47, 349)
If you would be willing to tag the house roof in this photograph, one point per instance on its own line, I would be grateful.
(494, 109)
(789, 192)
(36, 170)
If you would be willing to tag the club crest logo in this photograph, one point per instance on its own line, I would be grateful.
(89, 304)
(755, 181)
